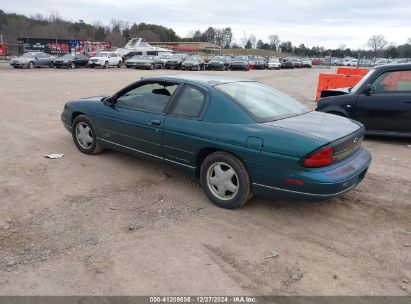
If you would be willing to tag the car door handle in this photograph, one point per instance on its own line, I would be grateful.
(154, 122)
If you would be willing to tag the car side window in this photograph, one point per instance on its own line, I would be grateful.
(190, 103)
(396, 81)
(150, 97)
(113, 55)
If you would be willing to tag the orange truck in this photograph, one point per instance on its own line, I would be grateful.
(344, 78)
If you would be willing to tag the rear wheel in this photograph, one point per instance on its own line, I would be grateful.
(31, 65)
(84, 136)
(119, 64)
(73, 65)
(225, 180)
(106, 65)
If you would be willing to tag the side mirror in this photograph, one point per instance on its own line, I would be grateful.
(368, 90)
(109, 101)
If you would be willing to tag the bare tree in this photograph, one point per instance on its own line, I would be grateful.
(274, 41)
(253, 40)
(377, 43)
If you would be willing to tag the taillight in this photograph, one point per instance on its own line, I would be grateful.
(320, 158)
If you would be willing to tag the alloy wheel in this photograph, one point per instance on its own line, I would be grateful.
(222, 181)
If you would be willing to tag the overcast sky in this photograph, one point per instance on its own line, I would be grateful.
(329, 23)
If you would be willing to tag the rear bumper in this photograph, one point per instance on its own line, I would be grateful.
(320, 183)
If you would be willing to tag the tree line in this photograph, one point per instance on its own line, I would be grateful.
(13, 26)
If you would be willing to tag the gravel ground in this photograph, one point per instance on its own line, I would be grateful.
(113, 224)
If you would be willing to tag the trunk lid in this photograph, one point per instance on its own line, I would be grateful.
(344, 135)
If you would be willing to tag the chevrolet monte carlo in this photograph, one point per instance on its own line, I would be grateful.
(239, 137)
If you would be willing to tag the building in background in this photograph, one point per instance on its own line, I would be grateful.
(190, 47)
(62, 46)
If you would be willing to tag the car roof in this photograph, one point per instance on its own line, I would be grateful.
(394, 66)
(200, 78)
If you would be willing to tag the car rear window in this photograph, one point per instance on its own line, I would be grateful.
(262, 102)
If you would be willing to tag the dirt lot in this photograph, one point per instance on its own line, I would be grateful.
(113, 224)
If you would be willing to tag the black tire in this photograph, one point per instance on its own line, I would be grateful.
(106, 65)
(151, 67)
(79, 122)
(119, 64)
(72, 65)
(31, 65)
(241, 179)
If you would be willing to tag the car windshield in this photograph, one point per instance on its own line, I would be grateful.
(101, 54)
(263, 102)
(359, 84)
(240, 59)
(28, 55)
(67, 56)
(147, 57)
(177, 56)
(191, 58)
(274, 60)
(218, 58)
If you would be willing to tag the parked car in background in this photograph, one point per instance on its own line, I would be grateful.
(350, 62)
(274, 64)
(175, 61)
(381, 101)
(193, 63)
(218, 63)
(71, 61)
(240, 63)
(105, 60)
(32, 60)
(297, 63)
(287, 64)
(365, 63)
(270, 144)
(306, 63)
(164, 57)
(337, 62)
(260, 63)
(144, 62)
(317, 61)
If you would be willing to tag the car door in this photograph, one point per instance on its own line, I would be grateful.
(135, 120)
(386, 104)
(44, 59)
(182, 124)
(39, 59)
(113, 59)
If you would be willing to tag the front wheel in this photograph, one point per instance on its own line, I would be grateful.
(73, 65)
(106, 65)
(225, 180)
(31, 65)
(84, 136)
(119, 64)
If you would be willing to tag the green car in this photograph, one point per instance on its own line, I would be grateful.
(239, 137)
